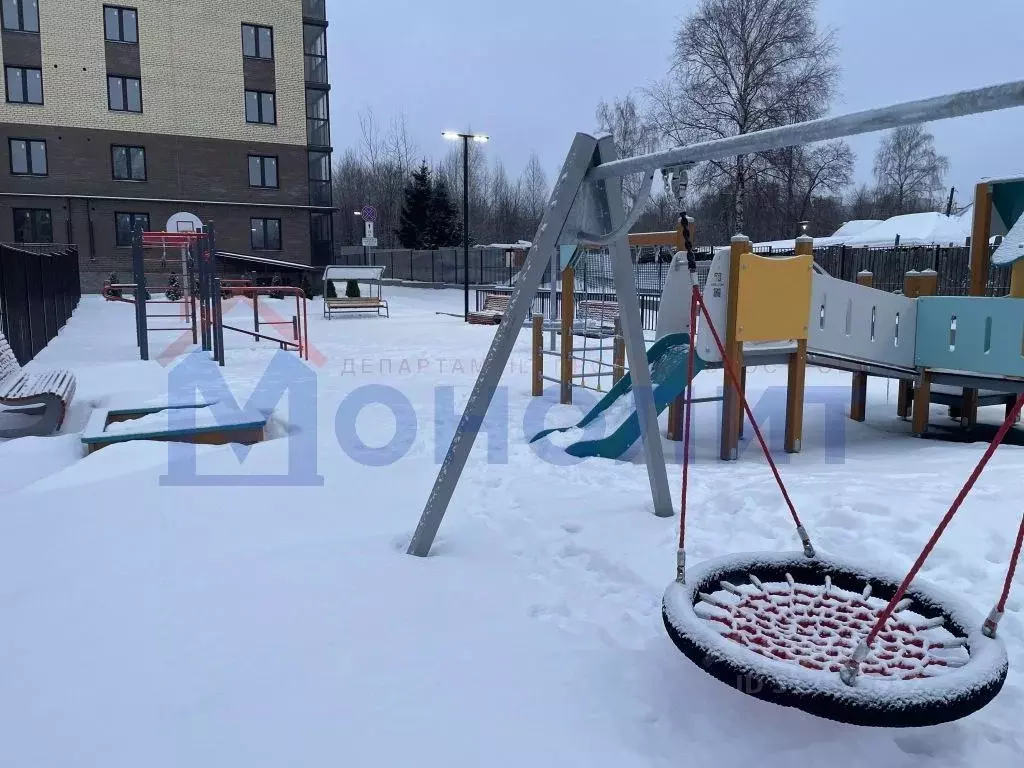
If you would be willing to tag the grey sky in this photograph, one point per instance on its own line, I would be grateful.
(530, 72)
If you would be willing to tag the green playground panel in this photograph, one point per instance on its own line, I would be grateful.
(1008, 200)
(971, 333)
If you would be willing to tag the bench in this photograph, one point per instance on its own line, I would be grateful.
(596, 317)
(356, 304)
(46, 395)
(495, 308)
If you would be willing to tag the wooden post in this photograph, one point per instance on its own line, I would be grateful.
(915, 285)
(797, 377)
(1017, 280)
(618, 354)
(732, 406)
(922, 404)
(538, 355)
(568, 313)
(980, 235)
(859, 389)
(795, 397)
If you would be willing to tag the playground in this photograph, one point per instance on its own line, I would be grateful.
(250, 598)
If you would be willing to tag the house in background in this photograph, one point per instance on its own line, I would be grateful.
(121, 115)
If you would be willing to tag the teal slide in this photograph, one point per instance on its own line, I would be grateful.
(668, 362)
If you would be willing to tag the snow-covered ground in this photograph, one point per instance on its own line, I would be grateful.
(152, 622)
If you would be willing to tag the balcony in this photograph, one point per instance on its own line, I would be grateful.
(320, 193)
(316, 70)
(318, 132)
(314, 10)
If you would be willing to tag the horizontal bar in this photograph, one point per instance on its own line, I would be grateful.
(551, 379)
(953, 105)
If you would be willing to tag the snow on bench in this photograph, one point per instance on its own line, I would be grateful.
(494, 309)
(53, 390)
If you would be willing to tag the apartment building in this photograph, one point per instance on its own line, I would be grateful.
(116, 115)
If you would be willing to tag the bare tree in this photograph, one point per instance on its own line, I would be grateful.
(802, 174)
(633, 134)
(741, 66)
(536, 192)
(909, 171)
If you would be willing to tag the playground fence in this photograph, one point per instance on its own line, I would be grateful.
(39, 289)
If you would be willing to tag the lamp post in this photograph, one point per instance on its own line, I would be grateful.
(466, 138)
(359, 215)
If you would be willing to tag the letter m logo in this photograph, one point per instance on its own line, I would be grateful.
(285, 375)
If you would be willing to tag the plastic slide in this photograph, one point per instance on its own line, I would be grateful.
(668, 363)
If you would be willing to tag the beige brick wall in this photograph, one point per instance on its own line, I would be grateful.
(191, 54)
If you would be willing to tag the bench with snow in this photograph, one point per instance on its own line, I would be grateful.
(596, 318)
(356, 304)
(45, 395)
(494, 309)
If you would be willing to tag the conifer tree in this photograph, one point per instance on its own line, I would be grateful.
(413, 226)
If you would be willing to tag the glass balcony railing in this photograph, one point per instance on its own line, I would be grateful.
(316, 69)
(318, 132)
(315, 9)
(320, 193)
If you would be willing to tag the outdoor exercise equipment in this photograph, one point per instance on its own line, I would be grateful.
(201, 306)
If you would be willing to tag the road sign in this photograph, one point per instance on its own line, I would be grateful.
(369, 242)
(369, 213)
(369, 229)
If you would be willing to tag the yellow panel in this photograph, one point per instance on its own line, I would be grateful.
(774, 298)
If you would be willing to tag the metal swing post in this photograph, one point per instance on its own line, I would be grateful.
(609, 198)
(566, 190)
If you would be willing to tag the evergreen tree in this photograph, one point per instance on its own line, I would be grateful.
(352, 289)
(413, 226)
(444, 229)
(173, 292)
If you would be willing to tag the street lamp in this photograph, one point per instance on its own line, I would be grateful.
(359, 215)
(479, 138)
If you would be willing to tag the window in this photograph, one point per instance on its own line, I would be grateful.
(266, 234)
(33, 225)
(125, 225)
(129, 163)
(24, 85)
(262, 171)
(21, 15)
(28, 157)
(121, 24)
(257, 42)
(124, 94)
(260, 107)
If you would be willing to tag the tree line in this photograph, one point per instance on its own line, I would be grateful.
(740, 66)
(420, 205)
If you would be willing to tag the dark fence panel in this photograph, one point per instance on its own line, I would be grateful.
(39, 289)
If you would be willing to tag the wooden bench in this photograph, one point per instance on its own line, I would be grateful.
(46, 395)
(495, 308)
(356, 304)
(596, 317)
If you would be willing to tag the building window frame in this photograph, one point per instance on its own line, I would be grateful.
(261, 108)
(134, 217)
(35, 225)
(24, 85)
(130, 150)
(31, 170)
(121, 12)
(263, 164)
(257, 45)
(261, 227)
(18, 24)
(123, 88)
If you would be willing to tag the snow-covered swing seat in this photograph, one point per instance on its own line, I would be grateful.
(833, 638)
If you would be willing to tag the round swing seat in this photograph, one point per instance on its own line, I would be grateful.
(779, 627)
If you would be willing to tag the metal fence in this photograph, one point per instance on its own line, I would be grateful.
(39, 289)
(487, 266)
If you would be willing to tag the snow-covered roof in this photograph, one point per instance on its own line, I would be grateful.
(521, 245)
(915, 229)
(353, 273)
(856, 227)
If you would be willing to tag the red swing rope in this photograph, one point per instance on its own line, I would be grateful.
(697, 301)
(1011, 418)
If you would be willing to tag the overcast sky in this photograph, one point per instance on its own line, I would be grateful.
(530, 72)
